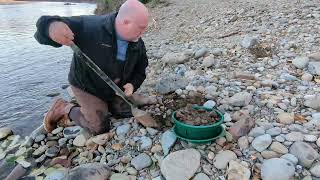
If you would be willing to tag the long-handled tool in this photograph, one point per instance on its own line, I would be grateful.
(143, 117)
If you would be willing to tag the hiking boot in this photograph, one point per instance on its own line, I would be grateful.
(55, 114)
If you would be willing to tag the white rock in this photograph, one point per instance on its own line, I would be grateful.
(312, 101)
(315, 170)
(240, 99)
(223, 158)
(208, 61)
(262, 142)
(174, 58)
(177, 165)
(238, 171)
(310, 138)
(152, 131)
(145, 143)
(209, 104)
(79, 141)
(295, 136)
(300, 62)
(243, 142)
(277, 169)
(5, 132)
(286, 118)
(200, 53)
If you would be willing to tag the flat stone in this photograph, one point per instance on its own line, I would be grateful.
(52, 152)
(39, 138)
(274, 131)
(295, 136)
(243, 142)
(238, 171)
(304, 152)
(262, 142)
(89, 171)
(200, 53)
(286, 118)
(310, 138)
(279, 148)
(5, 132)
(314, 68)
(257, 131)
(57, 130)
(71, 132)
(269, 154)
(177, 164)
(291, 158)
(152, 131)
(315, 170)
(141, 161)
(223, 158)
(145, 143)
(201, 176)
(277, 169)
(240, 99)
(123, 129)
(168, 139)
(300, 62)
(79, 141)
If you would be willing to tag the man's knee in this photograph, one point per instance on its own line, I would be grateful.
(102, 123)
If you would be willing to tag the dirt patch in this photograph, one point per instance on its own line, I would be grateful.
(195, 117)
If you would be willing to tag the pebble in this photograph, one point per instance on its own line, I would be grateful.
(314, 68)
(243, 142)
(41, 158)
(38, 152)
(257, 131)
(307, 77)
(238, 171)
(210, 104)
(123, 129)
(240, 99)
(280, 138)
(71, 132)
(223, 158)
(211, 155)
(310, 138)
(318, 142)
(141, 161)
(269, 154)
(208, 61)
(62, 141)
(295, 136)
(177, 164)
(291, 158)
(249, 41)
(200, 53)
(52, 152)
(286, 118)
(312, 101)
(57, 130)
(279, 148)
(300, 62)
(79, 141)
(262, 142)
(39, 138)
(304, 152)
(201, 176)
(315, 170)
(174, 58)
(277, 169)
(152, 131)
(101, 139)
(168, 139)
(274, 131)
(5, 132)
(89, 171)
(145, 143)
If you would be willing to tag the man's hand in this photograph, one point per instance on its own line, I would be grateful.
(61, 33)
(128, 89)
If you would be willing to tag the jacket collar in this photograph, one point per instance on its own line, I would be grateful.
(109, 23)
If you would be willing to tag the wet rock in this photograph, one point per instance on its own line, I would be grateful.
(314, 68)
(294, 136)
(223, 158)
(38, 152)
(89, 171)
(237, 171)
(240, 99)
(277, 169)
(243, 142)
(315, 170)
(291, 158)
(300, 62)
(279, 148)
(132, 171)
(57, 130)
(123, 129)
(62, 141)
(168, 139)
(249, 41)
(201, 176)
(209, 104)
(141, 161)
(170, 83)
(304, 152)
(156, 148)
(208, 61)
(79, 141)
(286, 118)
(145, 143)
(312, 101)
(177, 164)
(52, 152)
(71, 132)
(5, 132)
(200, 53)
(262, 142)
(174, 58)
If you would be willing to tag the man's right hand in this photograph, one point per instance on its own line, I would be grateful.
(61, 33)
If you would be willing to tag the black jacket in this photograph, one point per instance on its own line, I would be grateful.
(96, 37)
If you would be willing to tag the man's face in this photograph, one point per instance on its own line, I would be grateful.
(134, 28)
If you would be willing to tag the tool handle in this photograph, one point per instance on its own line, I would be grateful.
(101, 74)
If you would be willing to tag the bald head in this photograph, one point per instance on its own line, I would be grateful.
(132, 20)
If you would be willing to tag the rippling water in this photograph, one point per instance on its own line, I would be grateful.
(29, 71)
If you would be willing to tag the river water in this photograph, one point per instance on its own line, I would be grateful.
(29, 71)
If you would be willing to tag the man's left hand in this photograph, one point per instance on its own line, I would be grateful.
(128, 89)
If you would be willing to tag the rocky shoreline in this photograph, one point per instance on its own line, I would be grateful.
(256, 62)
